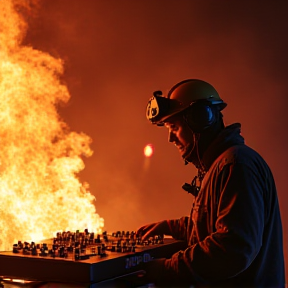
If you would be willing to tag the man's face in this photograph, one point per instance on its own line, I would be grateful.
(180, 135)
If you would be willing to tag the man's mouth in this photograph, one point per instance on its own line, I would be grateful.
(181, 148)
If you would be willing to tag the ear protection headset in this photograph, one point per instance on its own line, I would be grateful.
(199, 116)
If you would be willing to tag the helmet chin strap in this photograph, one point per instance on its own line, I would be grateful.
(194, 156)
(195, 185)
(196, 137)
(195, 159)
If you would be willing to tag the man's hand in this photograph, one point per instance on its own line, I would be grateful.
(154, 229)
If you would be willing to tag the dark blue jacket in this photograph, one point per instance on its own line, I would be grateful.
(234, 232)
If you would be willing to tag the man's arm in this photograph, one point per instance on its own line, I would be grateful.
(177, 228)
(236, 241)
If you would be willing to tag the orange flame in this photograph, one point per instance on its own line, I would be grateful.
(39, 156)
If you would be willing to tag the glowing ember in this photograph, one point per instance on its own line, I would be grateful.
(39, 156)
(148, 150)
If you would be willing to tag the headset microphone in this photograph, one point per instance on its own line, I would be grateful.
(192, 188)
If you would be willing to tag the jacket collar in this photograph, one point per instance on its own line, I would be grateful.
(228, 137)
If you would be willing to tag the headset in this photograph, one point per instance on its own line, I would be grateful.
(200, 116)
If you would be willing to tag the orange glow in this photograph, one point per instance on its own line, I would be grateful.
(148, 150)
(40, 157)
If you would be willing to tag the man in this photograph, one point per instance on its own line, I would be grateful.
(234, 231)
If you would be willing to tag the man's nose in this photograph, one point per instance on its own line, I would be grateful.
(171, 137)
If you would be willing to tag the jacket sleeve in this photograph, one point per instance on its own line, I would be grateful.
(238, 235)
(178, 228)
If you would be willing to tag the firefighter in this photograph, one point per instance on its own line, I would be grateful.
(233, 235)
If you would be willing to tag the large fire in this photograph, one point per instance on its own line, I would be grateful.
(40, 157)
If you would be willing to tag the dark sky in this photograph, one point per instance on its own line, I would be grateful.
(117, 52)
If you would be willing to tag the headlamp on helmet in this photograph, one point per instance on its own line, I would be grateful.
(159, 107)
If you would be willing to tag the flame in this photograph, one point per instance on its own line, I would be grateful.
(40, 157)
